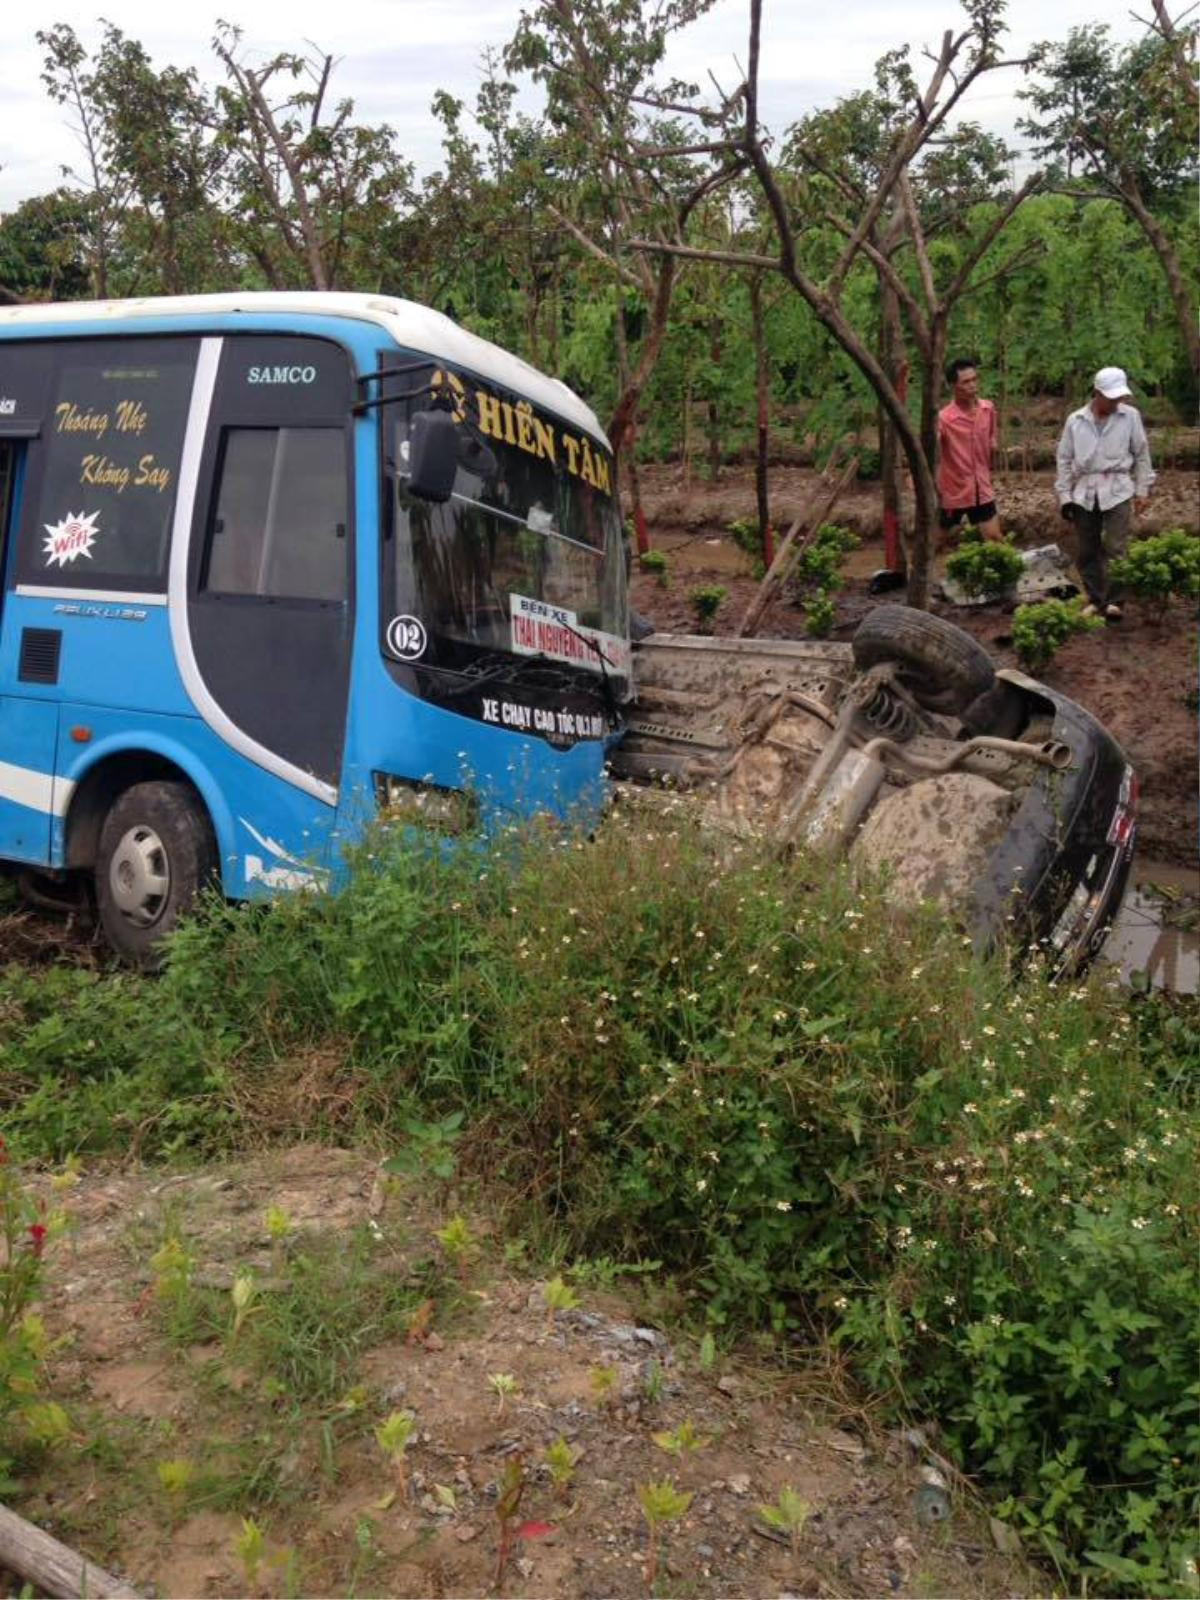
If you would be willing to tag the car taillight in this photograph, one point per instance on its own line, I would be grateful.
(1120, 829)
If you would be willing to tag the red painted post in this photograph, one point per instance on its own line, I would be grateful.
(641, 532)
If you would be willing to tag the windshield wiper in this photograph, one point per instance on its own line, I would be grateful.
(611, 703)
(510, 669)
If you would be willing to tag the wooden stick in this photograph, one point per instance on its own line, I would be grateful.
(54, 1567)
(789, 549)
(771, 576)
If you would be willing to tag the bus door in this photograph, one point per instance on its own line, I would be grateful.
(270, 571)
(28, 655)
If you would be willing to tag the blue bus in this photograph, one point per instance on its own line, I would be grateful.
(275, 563)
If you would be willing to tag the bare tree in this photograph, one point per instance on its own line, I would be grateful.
(315, 191)
(596, 59)
(963, 57)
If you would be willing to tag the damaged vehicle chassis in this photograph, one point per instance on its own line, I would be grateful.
(986, 792)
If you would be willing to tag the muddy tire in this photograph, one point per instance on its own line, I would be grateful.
(156, 853)
(943, 667)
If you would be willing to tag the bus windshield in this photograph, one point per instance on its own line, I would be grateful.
(525, 558)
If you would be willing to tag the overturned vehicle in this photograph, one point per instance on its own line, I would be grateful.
(982, 790)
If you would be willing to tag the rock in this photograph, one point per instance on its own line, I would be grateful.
(845, 1443)
(705, 1552)
(931, 1504)
(727, 1385)
(466, 1533)
(739, 1482)
(1007, 1540)
(648, 1336)
(525, 1567)
(395, 1392)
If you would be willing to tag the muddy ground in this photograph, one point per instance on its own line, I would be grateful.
(1138, 677)
(307, 1466)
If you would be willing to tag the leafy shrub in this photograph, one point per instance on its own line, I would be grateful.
(984, 567)
(1039, 630)
(1164, 566)
(819, 615)
(869, 463)
(817, 575)
(819, 565)
(654, 561)
(706, 602)
(805, 1104)
(747, 536)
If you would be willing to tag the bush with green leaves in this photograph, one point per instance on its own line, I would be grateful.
(746, 534)
(820, 614)
(816, 576)
(1164, 567)
(819, 565)
(802, 1102)
(1038, 630)
(654, 561)
(705, 602)
(984, 568)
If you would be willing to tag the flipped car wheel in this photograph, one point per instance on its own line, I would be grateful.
(943, 667)
(156, 853)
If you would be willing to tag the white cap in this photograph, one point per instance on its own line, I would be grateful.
(1112, 383)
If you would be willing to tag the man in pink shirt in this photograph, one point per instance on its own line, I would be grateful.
(966, 443)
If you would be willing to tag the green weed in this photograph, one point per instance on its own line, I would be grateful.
(662, 1503)
(799, 1101)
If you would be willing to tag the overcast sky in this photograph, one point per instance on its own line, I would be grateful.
(395, 53)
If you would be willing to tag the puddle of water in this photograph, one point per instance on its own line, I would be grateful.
(1144, 938)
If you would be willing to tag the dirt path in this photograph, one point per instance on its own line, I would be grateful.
(1139, 678)
(278, 1423)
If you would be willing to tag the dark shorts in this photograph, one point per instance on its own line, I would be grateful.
(974, 514)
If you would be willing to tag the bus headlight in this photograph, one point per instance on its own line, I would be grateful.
(414, 802)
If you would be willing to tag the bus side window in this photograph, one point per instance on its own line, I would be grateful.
(279, 525)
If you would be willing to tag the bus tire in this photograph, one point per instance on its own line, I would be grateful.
(156, 852)
(943, 668)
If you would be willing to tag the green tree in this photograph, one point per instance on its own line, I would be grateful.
(1124, 115)
(45, 248)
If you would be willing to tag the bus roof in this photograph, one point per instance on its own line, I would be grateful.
(412, 326)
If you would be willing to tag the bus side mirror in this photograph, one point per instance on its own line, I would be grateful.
(433, 450)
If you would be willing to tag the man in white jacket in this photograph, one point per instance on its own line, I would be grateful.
(1104, 473)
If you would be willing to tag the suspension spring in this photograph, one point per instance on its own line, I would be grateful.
(887, 715)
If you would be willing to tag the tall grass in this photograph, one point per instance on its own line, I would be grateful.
(828, 1119)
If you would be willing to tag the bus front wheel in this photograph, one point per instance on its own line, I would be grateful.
(156, 853)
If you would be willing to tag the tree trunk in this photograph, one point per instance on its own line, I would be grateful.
(713, 408)
(762, 394)
(895, 365)
(832, 318)
(628, 457)
(632, 385)
(931, 388)
(1160, 243)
